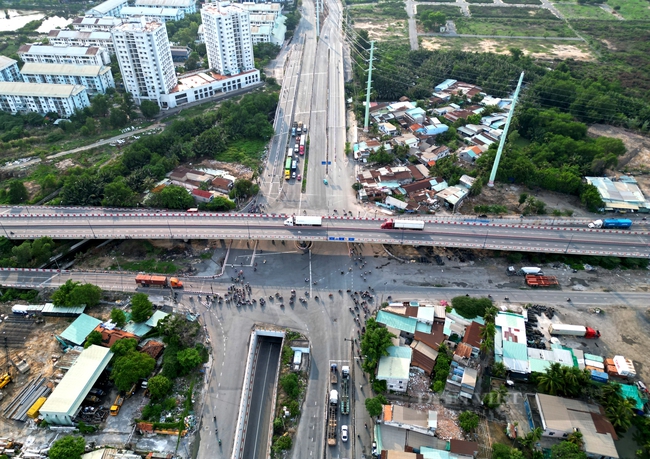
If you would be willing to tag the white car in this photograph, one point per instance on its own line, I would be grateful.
(344, 433)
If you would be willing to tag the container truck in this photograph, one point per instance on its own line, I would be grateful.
(403, 224)
(573, 330)
(146, 280)
(611, 223)
(303, 221)
(345, 390)
(334, 379)
(331, 418)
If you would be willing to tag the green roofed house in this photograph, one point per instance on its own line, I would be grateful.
(394, 368)
(78, 330)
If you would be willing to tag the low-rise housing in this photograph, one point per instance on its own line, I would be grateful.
(108, 8)
(463, 448)
(9, 69)
(394, 368)
(424, 422)
(388, 129)
(188, 6)
(64, 99)
(180, 53)
(111, 335)
(202, 196)
(222, 185)
(153, 14)
(48, 54)
(98, 38)
(95, 78)
(471, 154)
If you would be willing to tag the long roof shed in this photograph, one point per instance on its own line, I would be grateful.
(62, 406)
(78, 330)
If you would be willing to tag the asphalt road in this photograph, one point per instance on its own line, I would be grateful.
(468, 234)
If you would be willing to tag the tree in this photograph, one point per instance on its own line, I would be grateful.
(487, 337)
(591, 199)
(124, 346)
(159, 387)
(282, 443)
(99, 105)
(516, 53)
(118, 118)
(468, 421)
(219, 203)
(141, 307)
(499, 369)
(118, 317)
(68, 447)
(130, 368)
(172, 197)
(243, 188)
(188, 359)
(620, 415)
(522, 198)
(529, 440)
(381, 156)
(87, 294)
(567, 450)
(374, 344)
(374, 405)
(128, 104)
(469, 307)
(552, 381)
(290, 385)
(149, 109)
(576, 438)
(17, 192)
(119, 194)
(94, 337)
(60, 295)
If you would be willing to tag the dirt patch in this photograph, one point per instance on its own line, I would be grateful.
(638, 146)
(609, 45)
(565, 52)
(33, 189)
(234, 169)
(488, 46)
(431, 44)
(379, 29)
(65, 164)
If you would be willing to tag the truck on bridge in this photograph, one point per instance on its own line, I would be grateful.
(334, 379)
(303, 221)
(611, 223)
(573, 330)
(146, 280)
(331, 417)
(403, 224)
(345, 390)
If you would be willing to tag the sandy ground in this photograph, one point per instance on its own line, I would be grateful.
(378, 29)
(637, 157)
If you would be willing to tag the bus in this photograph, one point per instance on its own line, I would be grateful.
(289, 153)
(302, 145)
(287, 169)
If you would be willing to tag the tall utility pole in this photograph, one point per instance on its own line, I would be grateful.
(502, 142)
(365, 122)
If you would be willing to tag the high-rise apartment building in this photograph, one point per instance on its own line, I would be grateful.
(228, 41)
(143, 52)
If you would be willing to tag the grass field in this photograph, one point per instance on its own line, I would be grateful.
(449, 10)
(480, 1)
(509, 12)
(523, 2)
(246, 152)
(583, 12)
(540, 49)
(150, 266)
(388, 10)
(632, 9)
(510, 26)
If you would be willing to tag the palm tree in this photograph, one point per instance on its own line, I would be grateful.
(552, 381)
(528, 441)
(576, 438)
(499, 369)
(490, 314)
(487, 337)
(610, 393)
(620, 415)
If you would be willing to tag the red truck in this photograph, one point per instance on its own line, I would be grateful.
(147, 280)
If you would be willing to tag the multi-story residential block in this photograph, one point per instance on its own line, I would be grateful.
(64, 99)
(188, 6)
(228, 38)
(267, 28)
(108, 8)
(154, 14)
(47, 54)
(63, 37)
(9, 69)
(95, 78)
(104, 24)
(263, 8)
(143, 53)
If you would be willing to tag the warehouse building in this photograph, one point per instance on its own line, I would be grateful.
(63, 99)
(95, 78)
(65, 402)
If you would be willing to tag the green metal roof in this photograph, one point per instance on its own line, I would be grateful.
(422, 327)
(539, 365)
(396, 364)
(153, 320)
(405, 324)
(79, 329)
(138, 329)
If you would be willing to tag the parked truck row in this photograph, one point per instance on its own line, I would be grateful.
(146, 280)
(573, 330)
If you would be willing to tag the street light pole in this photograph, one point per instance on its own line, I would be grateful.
(567, 246)
(91, 228)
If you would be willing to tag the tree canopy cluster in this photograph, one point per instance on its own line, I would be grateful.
(27, 254)
(129, 365)
(374, 344)
(147, 160)
(470, 307)
(76, 294)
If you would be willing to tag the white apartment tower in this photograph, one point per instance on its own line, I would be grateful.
(142, 50)
(228, 38)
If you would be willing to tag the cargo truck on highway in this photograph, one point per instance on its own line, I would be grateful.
(403, 224)
(611, 223)
(303, 221)
(334, 379)
(146, 280)
(345, 390)
(573, 330)
(331, 418)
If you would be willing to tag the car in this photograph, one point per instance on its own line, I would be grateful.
(299, 177)
(344, 433)
(374, 449)
(293, 175)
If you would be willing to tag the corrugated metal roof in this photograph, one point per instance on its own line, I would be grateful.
(405, 324)
(40, 89)
(6, 62)
(49, 308)
(138, 329)
(422, 327)
(74, 386)
(426, 313)
(79, 329)
(153, 320)
(108, 5)
(36, 68)
(515, 357)
(396, 364)
(166, 3)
